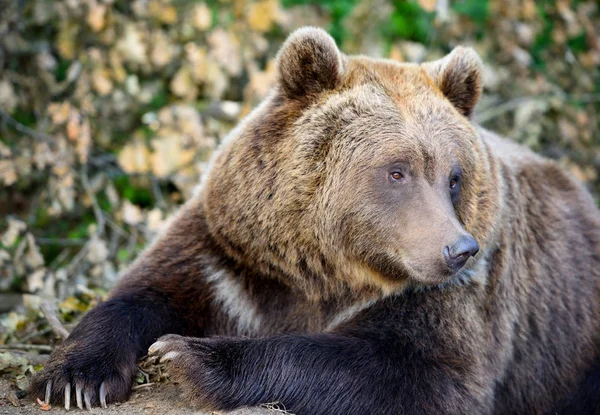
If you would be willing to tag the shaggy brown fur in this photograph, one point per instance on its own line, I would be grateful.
(322, 233)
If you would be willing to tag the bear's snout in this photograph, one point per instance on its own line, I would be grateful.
(457, 254)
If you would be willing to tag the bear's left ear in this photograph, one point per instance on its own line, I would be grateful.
(458, 76)
(309, 62)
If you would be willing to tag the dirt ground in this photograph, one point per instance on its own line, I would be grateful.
(161, 399)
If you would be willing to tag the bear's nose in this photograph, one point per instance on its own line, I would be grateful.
(457, 254)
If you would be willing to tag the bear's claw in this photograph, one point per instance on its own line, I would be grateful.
(103, 395)
(78, 396)
(81, 399)
(67, 397)
(48, 391)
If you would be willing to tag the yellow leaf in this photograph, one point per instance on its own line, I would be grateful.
(428, 5)
(84, 141)
(72, 304)
(262, 14)
(101, 82)
(67, 35)
(169, 155)
(15, 227)
(163, 50)
(164, 13)
(96, 17)
(132, 214)
(59, 112)
(226, 50)
(8, 98)
(73, 126)
(33, 257)
(202, 17)
(5, 151)
(8, 172)
(98, 251)
(131, 45)
(182, 83)
(135, 157)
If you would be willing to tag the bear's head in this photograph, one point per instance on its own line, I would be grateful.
(357, 171)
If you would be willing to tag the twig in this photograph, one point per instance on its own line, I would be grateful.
(35, 334)
(24, 129)
(78, 257)
(19, 346)
(50, 313)
(131, 243)
(515, 103)
(507, 106)
(441, 10)
(158, 196)
(40, 240)
(95, 206)
(144, 385)
(115, 226)
(59, 259)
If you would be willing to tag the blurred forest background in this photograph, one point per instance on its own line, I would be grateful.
(110, 110)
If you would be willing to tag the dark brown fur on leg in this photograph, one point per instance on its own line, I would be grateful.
(164, 292)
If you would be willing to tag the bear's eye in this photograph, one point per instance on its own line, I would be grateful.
(396, 176)
(453, 182)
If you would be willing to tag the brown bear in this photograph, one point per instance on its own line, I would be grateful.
(359, 246)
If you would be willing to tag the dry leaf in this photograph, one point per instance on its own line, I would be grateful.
(131, 46)
(169, 155)
(427, 5)
(97, 250)
(226, 49)
(8, 172)
(33, 257)
(67, 36)
(202, 17)
(183, 85)
(155, 220)
(101, 82)
(162, 12)
(8, 98)
(132, 214)
(35, 280)
(262, 14)
(43, 406)
(163, 51)
(59, 112)
(11, 396)
(135, 157)
(5, 151)
(15, 227)
(96, 17)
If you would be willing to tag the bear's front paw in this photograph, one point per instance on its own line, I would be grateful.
(88, 373)
(200, 365)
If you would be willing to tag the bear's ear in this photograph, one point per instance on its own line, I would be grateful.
(458, 76)
(309, 62)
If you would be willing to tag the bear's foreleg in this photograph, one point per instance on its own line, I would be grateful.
(163, 292)
(97, 362)
(321, 374)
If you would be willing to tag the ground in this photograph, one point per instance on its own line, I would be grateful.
(162, 399)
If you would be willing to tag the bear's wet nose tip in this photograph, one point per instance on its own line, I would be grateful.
(457, 254)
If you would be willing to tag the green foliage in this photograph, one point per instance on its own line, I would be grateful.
(136, 194)
(476, 10)
(409, 21)
(338, 10)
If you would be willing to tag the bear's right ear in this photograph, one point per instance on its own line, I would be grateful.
(459, 76)
(309, 62)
